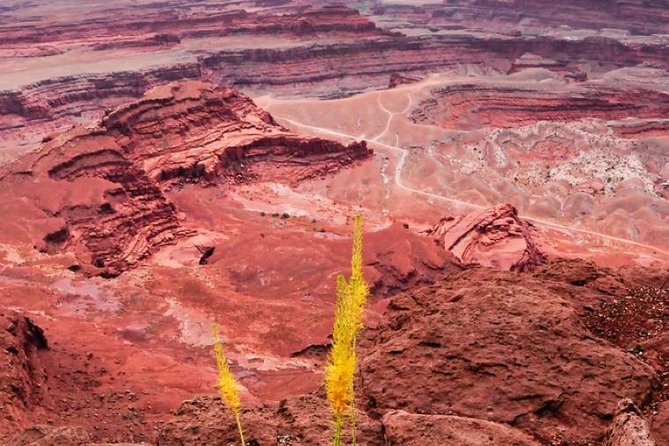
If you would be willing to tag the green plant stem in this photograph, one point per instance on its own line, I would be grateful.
(239, 427)
(337, 431)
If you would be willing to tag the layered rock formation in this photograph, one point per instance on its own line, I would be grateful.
(320, 51)
(167, 23)
(466, 106)
(100, 188)
(494, 237)
(638, 16)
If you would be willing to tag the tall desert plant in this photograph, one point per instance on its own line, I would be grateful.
(342, 362)
(227, 385)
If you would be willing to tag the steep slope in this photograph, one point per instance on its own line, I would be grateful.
(99, 188)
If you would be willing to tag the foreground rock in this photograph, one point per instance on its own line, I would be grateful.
(495, 237)
(500, 347)
(21, 372)
(402, 428)
(628, 428)
(297, 421)
(100, 189)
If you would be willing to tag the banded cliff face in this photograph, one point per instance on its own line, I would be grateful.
(167, 24)
(296, 48)
(637, 16)
(469, 106)
(99, 189)
(310, 67)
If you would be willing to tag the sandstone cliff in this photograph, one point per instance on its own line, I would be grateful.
(99, 189)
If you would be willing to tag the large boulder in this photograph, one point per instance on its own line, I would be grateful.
(502, 347)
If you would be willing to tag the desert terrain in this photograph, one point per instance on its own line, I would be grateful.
(169, 165)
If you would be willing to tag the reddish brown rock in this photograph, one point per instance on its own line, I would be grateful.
(500, 347)
(472, 106)
(21, 372)
(628, 428)
(659, 422)
(305, 420)
(50, 436)
(99, 188)
(495, 237)
(405, 429)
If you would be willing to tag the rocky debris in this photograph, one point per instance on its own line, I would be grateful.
(22, 374)
(59, 436)
(403, 429)
(50, 436)
(501, 347)
(51, 395)
(496, 237)
(659, 422)
(628, 428)
(304, 420)
(100, 189)
(632, 319)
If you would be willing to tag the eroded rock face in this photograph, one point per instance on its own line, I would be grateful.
(496, 237)
(99, 189)
(21, 374)
(402, 428)
(499, 347)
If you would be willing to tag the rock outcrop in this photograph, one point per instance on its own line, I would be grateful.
(294, 421)
(500, 347)
(21, 373)
(495, 237)
(100, 188)
(402, 428)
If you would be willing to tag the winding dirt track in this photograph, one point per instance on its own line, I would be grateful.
(400, 184)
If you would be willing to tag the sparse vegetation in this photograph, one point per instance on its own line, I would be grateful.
(227, 384)
(342, 363)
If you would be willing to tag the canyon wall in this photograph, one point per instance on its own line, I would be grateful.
(100, 188)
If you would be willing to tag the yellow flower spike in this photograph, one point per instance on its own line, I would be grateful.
(227, 385)
(342, 361)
